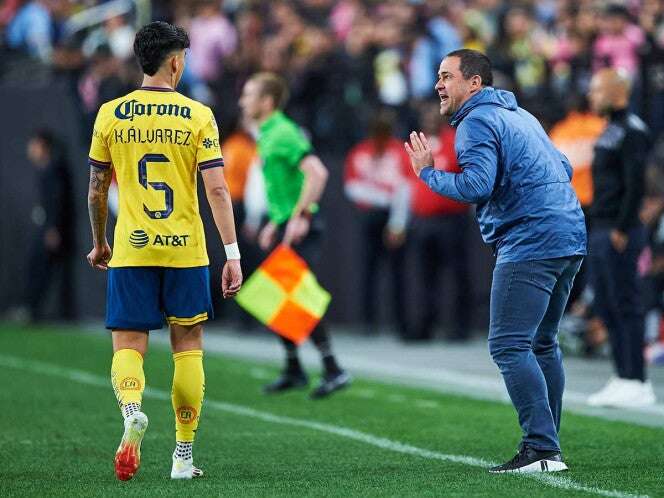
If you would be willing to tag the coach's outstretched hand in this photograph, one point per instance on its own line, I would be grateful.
(231, 278)
(100, 256)
(419, 152)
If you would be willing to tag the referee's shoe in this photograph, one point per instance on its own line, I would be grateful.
(331, 382)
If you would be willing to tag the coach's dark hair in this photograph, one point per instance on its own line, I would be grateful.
(156, 41)
(274, 86)
(472, 63)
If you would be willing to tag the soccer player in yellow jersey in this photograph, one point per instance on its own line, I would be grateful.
(157, 141)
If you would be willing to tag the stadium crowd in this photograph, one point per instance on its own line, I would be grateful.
(377, 61)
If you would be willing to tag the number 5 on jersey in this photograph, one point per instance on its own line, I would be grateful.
(143, 180)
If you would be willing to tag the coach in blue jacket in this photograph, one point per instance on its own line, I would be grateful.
(529, 214)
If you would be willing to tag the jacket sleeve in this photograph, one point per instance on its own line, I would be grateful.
(477, 156)
(634, 155)
(566, 164)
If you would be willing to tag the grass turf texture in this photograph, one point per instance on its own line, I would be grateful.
(59, 436)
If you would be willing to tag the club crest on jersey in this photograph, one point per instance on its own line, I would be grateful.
(128, 109)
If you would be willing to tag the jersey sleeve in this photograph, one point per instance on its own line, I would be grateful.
(208, 151)
(100, 155)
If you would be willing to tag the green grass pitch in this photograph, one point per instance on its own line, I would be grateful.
(61, 427)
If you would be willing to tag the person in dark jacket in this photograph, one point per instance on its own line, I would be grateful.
(530, 215)
(53, 246)
(617, 239)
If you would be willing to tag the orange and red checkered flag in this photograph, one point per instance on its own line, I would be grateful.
(284, 294)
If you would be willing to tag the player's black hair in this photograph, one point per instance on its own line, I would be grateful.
(155, 41)
(473, 63)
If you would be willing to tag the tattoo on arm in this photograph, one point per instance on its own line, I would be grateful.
(100, 180)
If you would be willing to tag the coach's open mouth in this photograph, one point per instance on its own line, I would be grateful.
(443, 98)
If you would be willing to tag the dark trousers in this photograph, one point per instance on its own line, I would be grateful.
(309, 249)
(374, 251)
(618, 299)
(439, 243)
(46, 269)
(527, 302)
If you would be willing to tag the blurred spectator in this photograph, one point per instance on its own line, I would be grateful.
(438, 238)
(437, 37)
(618, 42)
(104, 80)
(53, 247)
(575, 136)
(117, 34)
(617, 239)
(520, 53)
(213, 38)
(32, 30)
(376, 180)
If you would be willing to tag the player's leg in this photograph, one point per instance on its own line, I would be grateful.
(186, 395)
(520, 295)
(132, 310)
(187, 303)
(545, 344)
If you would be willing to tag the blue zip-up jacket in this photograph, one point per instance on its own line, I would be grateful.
(526, 207)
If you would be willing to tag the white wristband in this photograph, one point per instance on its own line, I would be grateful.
(232, 251)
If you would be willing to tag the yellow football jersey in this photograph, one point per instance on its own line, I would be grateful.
(156, 140)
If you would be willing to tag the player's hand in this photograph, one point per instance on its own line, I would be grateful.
(394, 239)
(419, 152)
(296, 230)
(231, 278)
(100, 256)
(619, 240)
(267, 236)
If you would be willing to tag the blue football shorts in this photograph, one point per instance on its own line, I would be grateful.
(143, 298)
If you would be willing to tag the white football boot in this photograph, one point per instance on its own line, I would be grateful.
(128, 456)
(184, 469)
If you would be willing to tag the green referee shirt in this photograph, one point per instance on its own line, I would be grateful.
(281, 146)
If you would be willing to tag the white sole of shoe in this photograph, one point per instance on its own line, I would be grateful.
(539, 466)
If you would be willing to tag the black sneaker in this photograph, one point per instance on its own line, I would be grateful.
(532, 460)
(286, 382)
(330, 384)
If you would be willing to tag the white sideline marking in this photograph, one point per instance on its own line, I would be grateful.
(84, 377)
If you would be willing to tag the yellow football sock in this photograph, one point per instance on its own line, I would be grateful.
(187, 394)
(127, 377)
